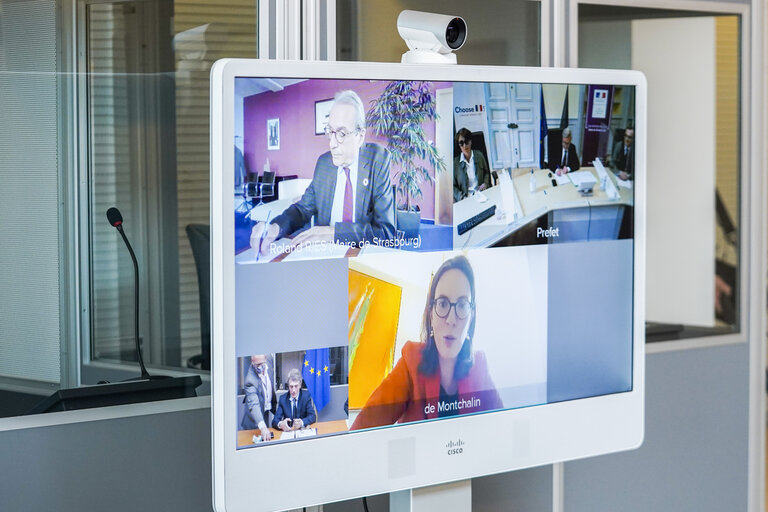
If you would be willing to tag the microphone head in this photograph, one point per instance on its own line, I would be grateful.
(114, 217)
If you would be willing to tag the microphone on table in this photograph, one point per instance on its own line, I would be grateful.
(146, 388)
(115, 218)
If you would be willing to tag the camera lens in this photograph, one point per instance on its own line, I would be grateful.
(456, 33)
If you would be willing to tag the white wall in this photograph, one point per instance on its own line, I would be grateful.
(677, 56)
(605, 44)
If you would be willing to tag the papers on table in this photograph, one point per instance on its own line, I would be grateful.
(308, 251)
(624, 184)
(249, 256)
(368, 249)
(316, 251)
(298, 434)
(562, 179)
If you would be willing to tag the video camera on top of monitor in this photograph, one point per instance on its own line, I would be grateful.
(431, 37)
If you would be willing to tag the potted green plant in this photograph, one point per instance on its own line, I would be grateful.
(398, 115)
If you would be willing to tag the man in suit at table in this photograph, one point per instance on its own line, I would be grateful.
(623, 155)
(568, 160)
(350, 196)
(260, 399)
(295, 409)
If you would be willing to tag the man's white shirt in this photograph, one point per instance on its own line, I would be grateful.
(337, 209)
(471, 174)
(267, 386)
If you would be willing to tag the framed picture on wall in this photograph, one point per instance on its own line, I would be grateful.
(273, 133)
(322, 110)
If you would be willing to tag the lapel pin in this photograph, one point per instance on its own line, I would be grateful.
(365, 182)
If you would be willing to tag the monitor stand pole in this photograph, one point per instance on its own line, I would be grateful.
(456, 496)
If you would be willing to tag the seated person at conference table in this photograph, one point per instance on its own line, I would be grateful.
(350, 196)
(623, 155)
(260, 398)
(295, 409)
(568, 159)
(442, 375)
(470, 169)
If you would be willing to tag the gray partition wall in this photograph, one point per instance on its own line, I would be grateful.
(694, 457)
(152, 462)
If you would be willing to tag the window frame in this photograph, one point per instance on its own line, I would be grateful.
(753, 218)
(743, 11)
(80, 357)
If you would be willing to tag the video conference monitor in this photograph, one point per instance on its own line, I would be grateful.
(421, 274)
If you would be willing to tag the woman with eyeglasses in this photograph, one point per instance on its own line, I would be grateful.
(442, 375)
(470, 169)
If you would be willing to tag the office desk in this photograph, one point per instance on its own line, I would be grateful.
(289, 192)
(530, 205)
(245, 437)
(244, 224)
(563, 196)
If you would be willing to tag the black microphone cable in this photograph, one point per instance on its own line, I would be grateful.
(115, 218)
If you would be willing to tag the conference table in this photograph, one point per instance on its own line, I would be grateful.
(245, 437)
(517, 205)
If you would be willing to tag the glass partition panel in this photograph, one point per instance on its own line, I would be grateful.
(122, 164)
(30, 314)
(499, 32)
(128, 129)
(146, 113)
(692, 63)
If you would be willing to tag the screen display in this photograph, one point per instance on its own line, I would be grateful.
(411, 251)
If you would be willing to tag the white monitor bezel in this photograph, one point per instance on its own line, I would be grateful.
(539, 435)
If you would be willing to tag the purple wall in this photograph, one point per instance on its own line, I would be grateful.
(299, 146)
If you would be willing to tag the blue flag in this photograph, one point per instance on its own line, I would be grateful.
(543, 131)
(317, 375)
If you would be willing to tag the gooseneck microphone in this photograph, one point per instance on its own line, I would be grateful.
(115, 218)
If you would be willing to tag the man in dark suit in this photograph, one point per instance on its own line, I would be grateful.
(350, 197)
(295, 409)
(568, 160)
(623, 155)
(260, 399)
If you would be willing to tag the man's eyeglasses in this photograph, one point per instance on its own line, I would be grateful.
(463, 142)
(443, 307)
(339, 134)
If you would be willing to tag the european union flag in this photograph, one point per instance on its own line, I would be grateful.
(317, 375)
